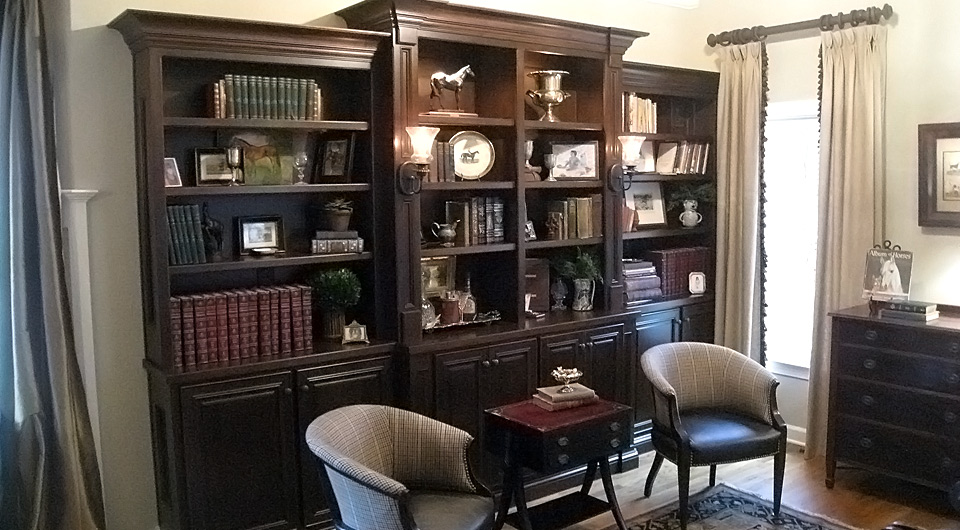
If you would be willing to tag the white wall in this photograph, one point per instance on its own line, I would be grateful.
(97, 142)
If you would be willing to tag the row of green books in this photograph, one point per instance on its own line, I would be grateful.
(264, 97)
(185, 235)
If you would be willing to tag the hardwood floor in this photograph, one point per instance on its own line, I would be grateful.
(860, 499)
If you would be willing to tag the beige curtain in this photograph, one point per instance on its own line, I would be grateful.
(851, 191)
(741, 101)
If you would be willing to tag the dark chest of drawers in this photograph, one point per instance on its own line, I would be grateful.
(895, 398)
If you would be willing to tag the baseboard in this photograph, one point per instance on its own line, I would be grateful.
(797, 436)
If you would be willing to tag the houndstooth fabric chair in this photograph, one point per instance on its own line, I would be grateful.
(712, 406)
(391, 469)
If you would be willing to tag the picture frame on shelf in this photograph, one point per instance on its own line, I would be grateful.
(575, 161)
(171, 173)
(211, 166)
(646, 199)
(438, 275)
(939, 174)
(334, 158)
(354, 332)
(667, 158)
(260, 235)
(267, 156)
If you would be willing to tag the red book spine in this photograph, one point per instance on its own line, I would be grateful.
(189, 333)
(296, 319)
(286, 345)
(307, 297)
(223, 342)
(233, 325)
(246, 351)
(213, 346)
(275, 321)
(263, 322)
(200, 328)
(176, 333)
(253, 327)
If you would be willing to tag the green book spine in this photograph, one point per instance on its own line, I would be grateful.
(301, 99)
(261, 98)
(288, 112)
(197, 232)
(187, 226)
(311, 96)
(282, 99)
(178, 240)
(242, 97)
(229, 95)
(255, 96)
(272, 98)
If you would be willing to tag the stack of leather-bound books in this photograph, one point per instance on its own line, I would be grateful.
(551, 398)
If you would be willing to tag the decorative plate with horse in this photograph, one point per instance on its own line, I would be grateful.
(473, 155)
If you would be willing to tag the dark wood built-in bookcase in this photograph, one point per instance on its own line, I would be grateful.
(227, 435)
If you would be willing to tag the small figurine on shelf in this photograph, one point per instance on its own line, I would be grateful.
(441, 81)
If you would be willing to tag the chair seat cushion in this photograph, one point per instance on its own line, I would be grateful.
(720, 436)
(441, 510)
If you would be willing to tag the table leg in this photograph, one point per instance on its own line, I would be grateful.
(611, 494)
(520, 498)
(510, 477)
(588, 477)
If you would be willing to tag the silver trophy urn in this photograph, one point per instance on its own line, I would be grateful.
(548, 93)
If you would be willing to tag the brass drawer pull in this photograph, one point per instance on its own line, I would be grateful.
(563, 459)
(866, 443)
(615, 442)
(870, 335)
(615, 426)
(949, 417)
(563, 441)
(955, 347)
(869, 364)
(485, 364)
(954, 379)
(867, 400)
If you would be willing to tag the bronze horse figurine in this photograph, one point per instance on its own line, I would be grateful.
(440, 81)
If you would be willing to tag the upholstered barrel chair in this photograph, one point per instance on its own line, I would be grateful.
(712, 406)
(385, 468)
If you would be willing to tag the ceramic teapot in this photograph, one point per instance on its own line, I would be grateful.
(690, 217)
(445, 232)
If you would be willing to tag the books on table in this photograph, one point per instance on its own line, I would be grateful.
(551, 398)
(909, 315)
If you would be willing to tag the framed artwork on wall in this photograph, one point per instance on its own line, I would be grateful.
(939, 174)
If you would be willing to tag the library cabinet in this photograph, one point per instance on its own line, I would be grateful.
(228, 432)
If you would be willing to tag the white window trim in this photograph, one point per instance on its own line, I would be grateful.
(789, 370)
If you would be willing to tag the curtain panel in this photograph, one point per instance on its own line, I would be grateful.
(851, 202)
(741, 103)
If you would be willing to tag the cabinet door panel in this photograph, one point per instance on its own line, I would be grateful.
(458, 388)
(563, 349)
(652, 329)
(604, 368)
(697, 323)
(514, 374)
(239, 454)
(323, 389)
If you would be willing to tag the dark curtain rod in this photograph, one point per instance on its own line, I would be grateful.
(870, 15)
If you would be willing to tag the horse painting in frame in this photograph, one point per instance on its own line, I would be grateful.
(440, 81)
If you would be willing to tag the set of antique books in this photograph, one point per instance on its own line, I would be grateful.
(478, 220)
(264, 97)
(240, 326)
(551, 398)
(575, 218)
(185, 235)
(640, 281)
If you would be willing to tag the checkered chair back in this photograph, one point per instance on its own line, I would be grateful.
(704, 375)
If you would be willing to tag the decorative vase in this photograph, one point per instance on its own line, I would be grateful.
(332, 322)
(337, 220)
(583, 294)
(690, 217)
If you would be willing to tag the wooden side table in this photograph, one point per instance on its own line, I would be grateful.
(525, 435)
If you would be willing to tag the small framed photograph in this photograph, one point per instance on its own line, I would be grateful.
(355, 332)
(171, 174)
(438, 275)
(667, 158)
(334, 158)
(646, 198)
(697, 282)
(212, 167)
(887, 274)
(259, 236)
(576, 161)
(939, 174)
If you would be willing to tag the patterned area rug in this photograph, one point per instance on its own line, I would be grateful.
(725, 508)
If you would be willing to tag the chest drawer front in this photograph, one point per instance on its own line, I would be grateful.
(906, 370)
(935, 461)
(905, 337)
(583, 443)
(938, 415)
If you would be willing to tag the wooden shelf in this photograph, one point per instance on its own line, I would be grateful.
(473, 249)
(564, 184)
(672, 137)
(269, 262)
(666, 232)
(469, 185)
(662, 303)
(198, 191)
(304, 125)
(560, 243)
(665, 177)
(465, 121)
(562, 125)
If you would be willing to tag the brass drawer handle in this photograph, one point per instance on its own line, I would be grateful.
(955, 347)
(954, 379)
(869, 364)
(866, 443)
(615, 426)
(615, 442)
(563, 441)
(867, 400)
(563, 459)
(485, 364)
(870, 335)
(949, 417)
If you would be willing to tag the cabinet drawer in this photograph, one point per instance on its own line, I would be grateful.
(935, 461)
(905, 370)
(581, 444)
(938, 415)
(903, 338)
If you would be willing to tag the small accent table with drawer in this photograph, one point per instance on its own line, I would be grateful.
(895, 398)
(525, 435)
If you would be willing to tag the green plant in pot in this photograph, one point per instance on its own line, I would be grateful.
(583, 272)
(689, 197)
(336, 214)
(334, 291)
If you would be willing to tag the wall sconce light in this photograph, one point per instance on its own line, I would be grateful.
(411, 173)
(630, 158)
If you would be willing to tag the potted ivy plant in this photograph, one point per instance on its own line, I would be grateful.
(583, 272)
(689, 197)
(336, 214)
(334, 291)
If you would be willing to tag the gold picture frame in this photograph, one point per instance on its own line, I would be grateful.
(438, 275)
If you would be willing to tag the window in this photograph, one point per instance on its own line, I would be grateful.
(791, 177)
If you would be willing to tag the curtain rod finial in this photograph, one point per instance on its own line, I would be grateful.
(887, 11)
(711, 40)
